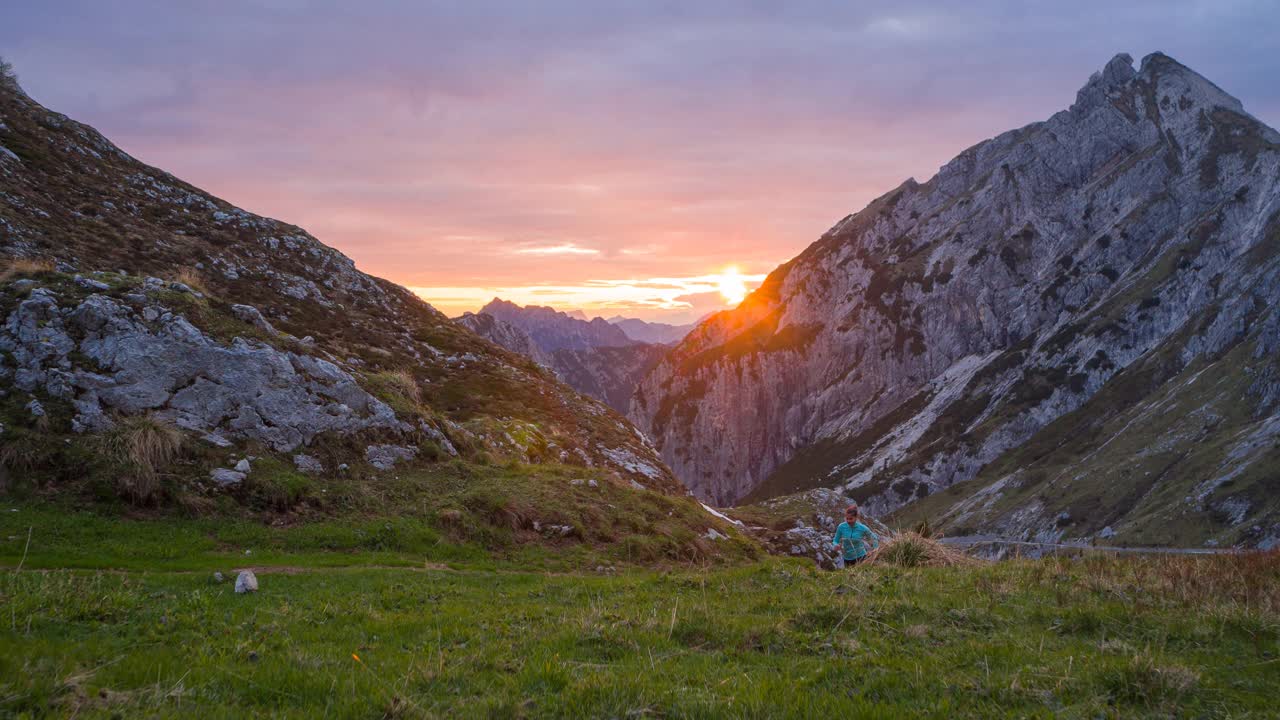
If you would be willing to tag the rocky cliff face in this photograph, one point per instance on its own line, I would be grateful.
(606, 372)
(130, 293)
(1053, 299)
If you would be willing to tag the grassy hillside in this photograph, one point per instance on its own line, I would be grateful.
(1102, 637)
(79, 217)
(560, 516)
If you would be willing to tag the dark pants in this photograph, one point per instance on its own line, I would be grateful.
(855, 561)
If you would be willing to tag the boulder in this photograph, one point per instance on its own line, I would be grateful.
(91, 284)
(225, 477)
(246, 582)
(384, 457)
(216, 440)
(253, 316)
(308, 464)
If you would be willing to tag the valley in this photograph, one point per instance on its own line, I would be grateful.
(241, 477)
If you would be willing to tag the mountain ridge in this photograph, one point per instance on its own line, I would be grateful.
(554, 330)
(593, 357)
(131, 294)
(653, 332)
(947, 323)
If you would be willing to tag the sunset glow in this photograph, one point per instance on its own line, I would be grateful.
(575, 157)
(681, 299)
(732, 286)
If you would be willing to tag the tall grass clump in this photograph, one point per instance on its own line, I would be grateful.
(403, 382)
(1144, 682)
(399, 389)
(21, 266)
(192, 279)
(145, 446)
(1246, 581)
(909, 549)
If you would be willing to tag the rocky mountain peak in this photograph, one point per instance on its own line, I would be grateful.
(1159, 75)
(1068, 271)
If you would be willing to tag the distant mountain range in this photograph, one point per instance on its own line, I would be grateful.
(1071, 331)
(554, 330)
(595, 357)
(653, 332)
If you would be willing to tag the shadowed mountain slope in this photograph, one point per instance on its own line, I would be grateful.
(133, 297)
(593, 357)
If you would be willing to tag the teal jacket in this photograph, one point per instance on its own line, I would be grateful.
(852, 539)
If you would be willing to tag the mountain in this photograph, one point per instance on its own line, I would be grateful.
(608, 371)
(134, 304)
(652, 332)
(1070, 331)
(506, 335)
(553, 330)
(610, 374)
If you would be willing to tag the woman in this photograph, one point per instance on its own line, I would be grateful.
(851, 537)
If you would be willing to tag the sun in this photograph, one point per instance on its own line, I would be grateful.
(732, 287)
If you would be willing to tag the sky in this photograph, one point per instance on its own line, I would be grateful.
(639, 158)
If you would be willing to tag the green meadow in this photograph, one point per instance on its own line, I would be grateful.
(109, 617)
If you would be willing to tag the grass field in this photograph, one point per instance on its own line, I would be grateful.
(466, 633)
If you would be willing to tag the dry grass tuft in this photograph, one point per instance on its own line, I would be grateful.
(192, 279)
(399, 389)
(25, 266)
(1248, 580)
(909, 549)
(1146, 682)
(146, 446)
(403, 382)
